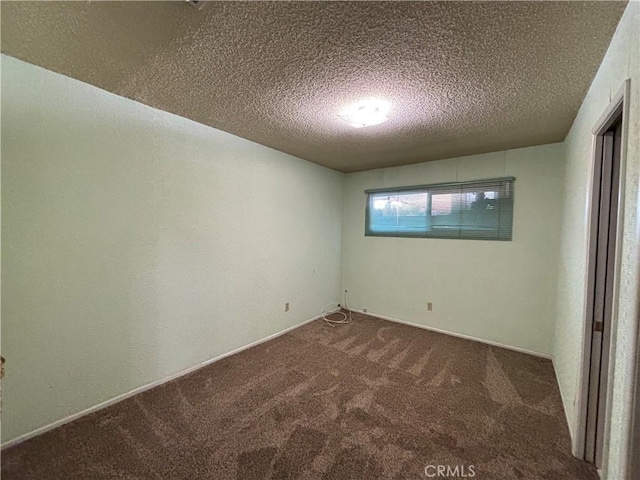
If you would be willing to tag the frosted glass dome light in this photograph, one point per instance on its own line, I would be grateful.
(366, 113)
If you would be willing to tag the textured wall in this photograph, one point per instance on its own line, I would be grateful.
(136, 243)
(621, 62)
(498, 291)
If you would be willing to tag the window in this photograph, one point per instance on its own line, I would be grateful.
(478, 210)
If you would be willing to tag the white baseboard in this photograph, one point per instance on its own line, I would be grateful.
(455, 334)
(570, 426)
(564, 400)
(161, 381)
(124, 396)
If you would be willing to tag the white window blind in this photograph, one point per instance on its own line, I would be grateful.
(477, 210)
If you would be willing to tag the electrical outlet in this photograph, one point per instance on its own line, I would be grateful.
(286, 307)
(430, 306)
(364, 310)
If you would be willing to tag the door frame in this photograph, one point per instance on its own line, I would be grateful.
(634, 437)
(619, 104)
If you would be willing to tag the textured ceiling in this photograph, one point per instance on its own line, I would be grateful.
(462, 77)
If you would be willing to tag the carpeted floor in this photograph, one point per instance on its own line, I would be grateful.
(369, 400)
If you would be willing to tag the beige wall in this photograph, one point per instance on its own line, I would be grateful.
(136, 244)
(502, 292)
(622, 61)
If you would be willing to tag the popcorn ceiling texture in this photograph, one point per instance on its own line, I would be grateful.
(463, 77)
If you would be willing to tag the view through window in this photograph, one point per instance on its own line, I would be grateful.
(480, 209)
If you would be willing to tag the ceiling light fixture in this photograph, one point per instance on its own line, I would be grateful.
(366, 113)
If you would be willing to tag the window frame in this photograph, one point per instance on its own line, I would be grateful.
(430, 189)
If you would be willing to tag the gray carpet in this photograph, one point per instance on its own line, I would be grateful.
(369, 400)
